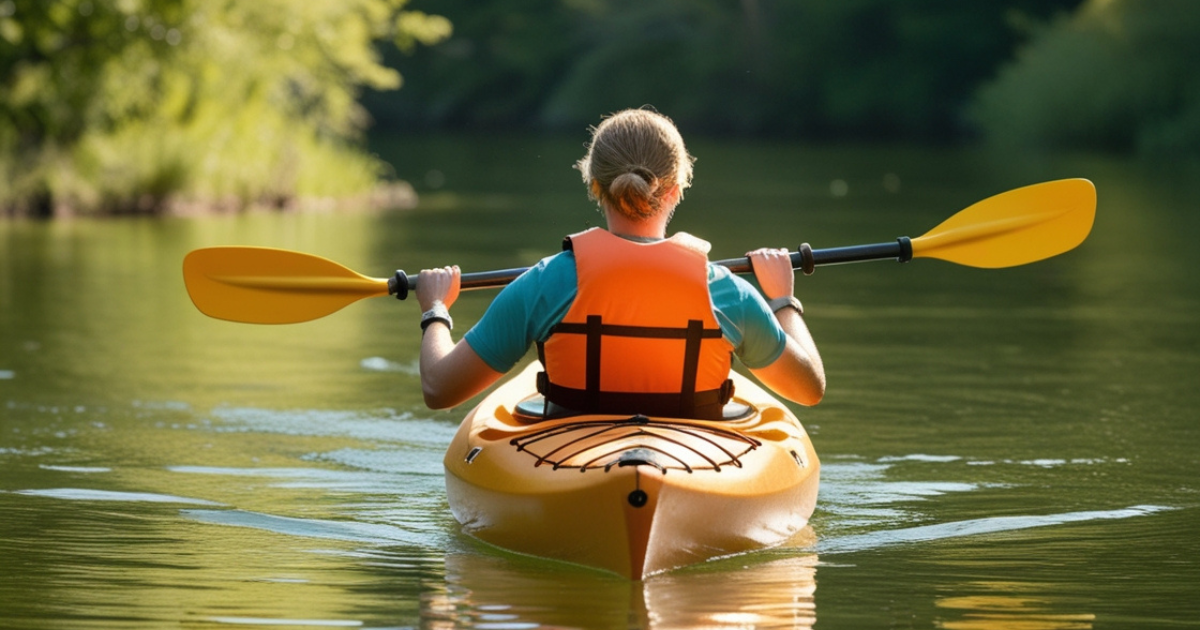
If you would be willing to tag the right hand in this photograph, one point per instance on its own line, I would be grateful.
(773, 270)
(438, 285)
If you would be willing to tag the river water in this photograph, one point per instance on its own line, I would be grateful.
(1011, 448)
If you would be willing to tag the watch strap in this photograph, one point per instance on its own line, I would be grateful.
(439, 313)
(784, 302)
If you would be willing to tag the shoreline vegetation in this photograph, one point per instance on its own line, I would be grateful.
(155, 106)
(188, 106)
(1113, 76)
(393, 195)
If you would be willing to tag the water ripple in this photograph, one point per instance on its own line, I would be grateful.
(84, 494)
(388, 426)
(267, 621)
(352, 531)
(973, 527)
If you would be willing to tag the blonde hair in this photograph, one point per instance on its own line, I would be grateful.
(634, 160)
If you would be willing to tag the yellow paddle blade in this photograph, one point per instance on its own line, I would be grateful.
(260, 285)
(1016, 227)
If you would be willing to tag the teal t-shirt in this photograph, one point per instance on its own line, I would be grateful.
(526, 311)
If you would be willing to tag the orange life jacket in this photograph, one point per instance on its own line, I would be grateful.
(640, 337)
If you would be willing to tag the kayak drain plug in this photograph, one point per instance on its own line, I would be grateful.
(638, 498)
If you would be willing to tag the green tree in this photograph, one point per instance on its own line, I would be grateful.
(873, 69)
(1118, 74)
(124, 105)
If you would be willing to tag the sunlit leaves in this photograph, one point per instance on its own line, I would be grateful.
(413, 27)
(133, 103)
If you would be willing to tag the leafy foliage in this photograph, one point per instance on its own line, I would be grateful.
(1118, 74)
(139, 104)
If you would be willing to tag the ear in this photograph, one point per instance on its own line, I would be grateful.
(596, 189)
(671, 197)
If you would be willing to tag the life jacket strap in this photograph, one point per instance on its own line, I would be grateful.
(705, 405)
(691, 361)
(645, 332)
(686, 403)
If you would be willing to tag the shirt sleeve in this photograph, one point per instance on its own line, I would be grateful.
(524, 312)
(745, 319)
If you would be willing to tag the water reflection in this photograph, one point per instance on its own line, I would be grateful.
(1008, 606)
(484, 590)
(776, 594)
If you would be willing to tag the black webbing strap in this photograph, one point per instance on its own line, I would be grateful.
(644, 332)
(706, 405)
(592, 369)
(691, 363)
(687, 403)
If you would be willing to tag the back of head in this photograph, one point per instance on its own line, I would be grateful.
(634, 161)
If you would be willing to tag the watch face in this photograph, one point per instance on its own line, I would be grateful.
(434, 314)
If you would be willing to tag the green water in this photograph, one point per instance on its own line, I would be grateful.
(1001, 449)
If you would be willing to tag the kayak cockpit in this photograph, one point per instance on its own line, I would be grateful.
(537, 409)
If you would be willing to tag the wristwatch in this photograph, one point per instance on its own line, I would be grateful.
(438, 313)
(784, 302)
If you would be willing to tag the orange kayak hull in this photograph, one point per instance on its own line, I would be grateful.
(633, 496)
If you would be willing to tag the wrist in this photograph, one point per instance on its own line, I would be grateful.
(431, 304)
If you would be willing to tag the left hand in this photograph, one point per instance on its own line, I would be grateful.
(773, 270)
(438, 285)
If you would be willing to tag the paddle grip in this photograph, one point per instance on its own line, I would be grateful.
(398, 285)
(804, 260)
(906, 251)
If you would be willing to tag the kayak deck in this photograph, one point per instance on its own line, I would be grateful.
(662, 444)
(631, 495)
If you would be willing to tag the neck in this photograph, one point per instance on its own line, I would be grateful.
(653, 227)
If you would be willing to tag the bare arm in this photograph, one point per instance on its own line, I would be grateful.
(798, 374)
(451, 372)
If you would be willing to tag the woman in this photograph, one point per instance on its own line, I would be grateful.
(628, 320)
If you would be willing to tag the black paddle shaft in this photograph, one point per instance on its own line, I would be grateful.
(804, 259)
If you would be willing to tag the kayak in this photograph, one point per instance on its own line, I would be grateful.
(632, 495)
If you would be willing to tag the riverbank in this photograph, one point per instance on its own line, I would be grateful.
(386, 196)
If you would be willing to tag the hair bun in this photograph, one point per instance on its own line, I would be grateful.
(631, 185)
(646, 174)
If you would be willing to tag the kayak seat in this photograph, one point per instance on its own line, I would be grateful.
(536, 409)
